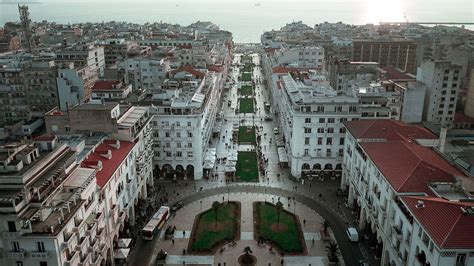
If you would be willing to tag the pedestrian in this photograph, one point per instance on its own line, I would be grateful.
(184, 233)
(172, 241)
(320, 195)
(304, 222)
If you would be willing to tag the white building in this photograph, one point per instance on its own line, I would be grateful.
(388, 167)
(185, 111)
(302, 57)
(83, 55)
(57, 211)
(145, 73)
(110, 90)
(311, 113)
(74, 85)
(442, 79)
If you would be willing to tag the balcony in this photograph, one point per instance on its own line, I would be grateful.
(121, 217)
(39, 255)
(91, 230)
(397, 231)
(103, 250)
(72, 259)
(101, 235)
(16, 255)
(99, 217)
(82, 244)
(94, 245)
(96, 259)
(85, 260)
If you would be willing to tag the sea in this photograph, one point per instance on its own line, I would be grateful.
(246, 19)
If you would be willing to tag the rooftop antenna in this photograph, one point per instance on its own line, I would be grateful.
(25, 24)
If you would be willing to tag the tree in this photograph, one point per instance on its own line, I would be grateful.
(215, 208)
(325, 226)
(279, 208)
(333, 250)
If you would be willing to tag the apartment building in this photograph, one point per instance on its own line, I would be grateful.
(119, 49)
(344, 74)
(83, 55)
(310, 115)
(74, 85)
(145, 73)
(442, 79)
(301, 57)
(28, 86)
(397, 195)
(184, 110)
(110, 90)
(396, 52)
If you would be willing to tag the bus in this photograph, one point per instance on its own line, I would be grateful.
(156, 223)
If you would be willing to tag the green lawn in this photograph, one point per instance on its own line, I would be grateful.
(247, 168)
(246, 76)
(207, 236)
(246, 105)
(285, 234)
(247, 68)
(246, 90)
(246, 135)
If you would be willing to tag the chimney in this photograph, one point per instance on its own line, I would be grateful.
(420, 204)
(442, 139)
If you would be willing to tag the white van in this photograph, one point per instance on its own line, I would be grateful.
(275, 131)
(352, 234)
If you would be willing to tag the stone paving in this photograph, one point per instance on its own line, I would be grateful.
(184, 218)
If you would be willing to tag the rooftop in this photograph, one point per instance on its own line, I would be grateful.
(388, 130)
(454, 230)
(106, 158)
(107, 85)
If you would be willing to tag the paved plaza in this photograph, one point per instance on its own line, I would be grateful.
(314, 198)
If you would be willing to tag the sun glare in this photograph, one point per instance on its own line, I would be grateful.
(383, 11)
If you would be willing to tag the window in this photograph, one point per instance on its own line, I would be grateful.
(306, 141)
(178, 145)
(352, 108)
(190, 144)
(307, 120)
(15, 246)
(179, 154)
(43, 263)
(461, 259)
(307, 130)
(342, 130)
(321, 130)
(329, 141)
(328, 153)
(331, 120)
(330, 130)
(19, 263)
(190, 134)
(189, 124)
(178, 124)
(168, 145)
(178, 135)
(190, 154)
(322, 120)
(168, 154)
(341, 141)
(11, 226)
(40, 246)
(167, 134)
(341, 152)
(320, 141)
(306, 152)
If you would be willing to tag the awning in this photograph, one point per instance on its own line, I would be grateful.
(279, 141)
(230, 169)
(90, 219)
(282, 156)
(124, 242)
(208, 165)
(121, 253)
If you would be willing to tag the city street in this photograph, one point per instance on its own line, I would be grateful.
(319, 196)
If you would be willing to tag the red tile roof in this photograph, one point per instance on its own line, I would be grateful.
(390, 130)
(409, 167)
(462, 118)
(283, 70)
(190, 70)
(105, 84)
(109, 166)
(45, 138)
(215, 68)
(395, 74)
(444, 221)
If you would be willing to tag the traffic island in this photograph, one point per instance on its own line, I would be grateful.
(279, 228)
(246, 90)
(247, 169)
(246, 105)
(246, 76)
(215, 227)
(247, 135)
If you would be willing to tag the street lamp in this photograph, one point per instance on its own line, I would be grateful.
(201, 204)
(228, 194)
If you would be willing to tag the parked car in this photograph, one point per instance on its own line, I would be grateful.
(352, 234)
(268, 118)
(275, 131)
